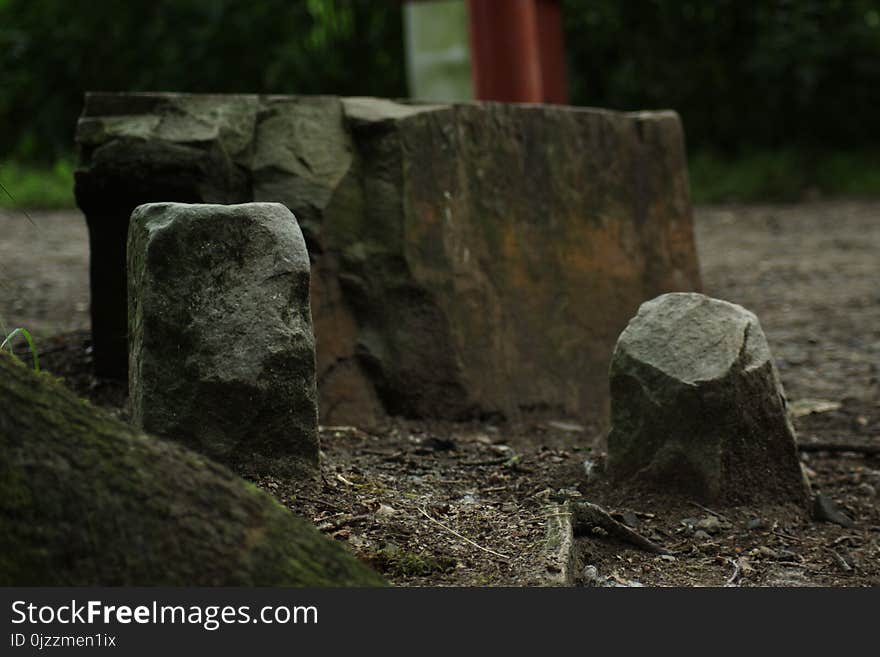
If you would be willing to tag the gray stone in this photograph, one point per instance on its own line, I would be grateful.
(140, 148)
(709, 524)
(467, 259)
(867, 490)
(222, 355)
(590, 576)
(826, 510)
(756, 523)
(697, 405)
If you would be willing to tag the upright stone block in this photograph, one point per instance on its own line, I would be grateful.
(492, 253)
(697, 405)
(222, 355)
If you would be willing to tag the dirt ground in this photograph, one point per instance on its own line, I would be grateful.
(467, 504)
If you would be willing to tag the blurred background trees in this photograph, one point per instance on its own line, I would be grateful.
(54, 50)
(777, 96)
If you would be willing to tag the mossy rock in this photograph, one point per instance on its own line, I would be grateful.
(87, 500)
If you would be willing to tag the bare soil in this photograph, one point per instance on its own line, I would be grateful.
(467, 504)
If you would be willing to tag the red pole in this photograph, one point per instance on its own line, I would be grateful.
(517, 50)
(552, 47)
(504, 50)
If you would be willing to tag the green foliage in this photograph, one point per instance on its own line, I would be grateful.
(391, 559)
(55, 51)
(137, 510)
(758, 84)
(37, 185)
(783, 175)
(850, 174)
(9, 337)
(769, 74)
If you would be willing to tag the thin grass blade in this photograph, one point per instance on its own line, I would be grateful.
(29, 339)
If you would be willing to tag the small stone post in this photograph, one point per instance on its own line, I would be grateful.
(697, 406)
(222, 355)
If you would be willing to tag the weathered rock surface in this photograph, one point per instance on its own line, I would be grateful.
(86, 500)
(144, 148)
(222, 355)
(697, 405)
(467, 259)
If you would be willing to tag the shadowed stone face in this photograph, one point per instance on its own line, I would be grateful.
(470, 259)
(221, 346)
(697, 405)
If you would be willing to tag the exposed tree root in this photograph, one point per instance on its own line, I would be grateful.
(585, 516)
(836, 448)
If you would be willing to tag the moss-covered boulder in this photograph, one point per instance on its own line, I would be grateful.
(86, 500)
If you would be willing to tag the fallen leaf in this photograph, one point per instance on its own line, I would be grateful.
(803, 407)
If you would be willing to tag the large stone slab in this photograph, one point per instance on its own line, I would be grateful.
(473, 259)
(697, 405)
(222, 355)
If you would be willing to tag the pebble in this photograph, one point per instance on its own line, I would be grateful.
(709, 524)
(385, 511)
(689, 523)
(590, 576)
(562, 425)
(867, 490)
(756, 523)
(764, 551)
(589, 468)
(825, 509)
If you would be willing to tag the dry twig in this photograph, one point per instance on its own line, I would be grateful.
(485, 462)
(839, 560)
(837, 448)
(464, 538)
(720, 516)
(737, 571)
(586, 515)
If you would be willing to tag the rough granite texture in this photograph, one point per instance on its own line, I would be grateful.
(469, 259)
(222, 355)
(697, 405)
(86, 500)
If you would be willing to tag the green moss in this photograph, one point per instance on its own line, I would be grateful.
(396, 562)
(87, 500)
